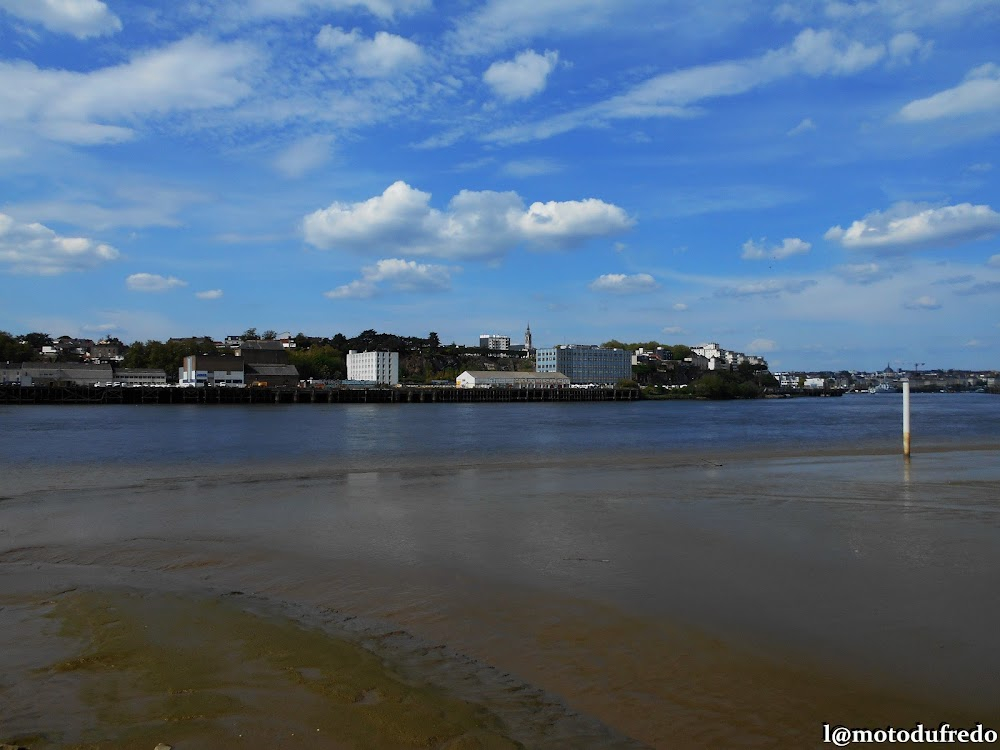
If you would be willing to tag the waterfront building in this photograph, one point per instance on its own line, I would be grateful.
(373, 367)
(494, 342)
(140, 376)
(585, 364)
(56, 373)
(493, 379)
(201, 370)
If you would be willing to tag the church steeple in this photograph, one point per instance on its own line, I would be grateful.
(527, 338)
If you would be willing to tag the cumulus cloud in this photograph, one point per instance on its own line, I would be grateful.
(400, 275)
(620, 283)
(191, 74)
(482, 224)
(759, 346)
(803, 127)
(151, 282)
(304, 156)
(522, 77)
(924, 302)
(36, 249)
(978, 94)
(769, 288)
(377, 57)
(209, 294)
(994, 261)
(760, 251)
(80, 18)
(910, 225)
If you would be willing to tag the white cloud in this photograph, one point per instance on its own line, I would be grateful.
(531, 167)
(924, 302)
(760, 346)
(36, 249)
(680, 306)
(862, 273)
(909, 225)
(619, 283)
(191, 74)
(981, 167)
(483, 224)
(522, 77)
(979, 93)
(151, 282)
(789, 246)
(384, 9)
(304, 156)
(769, 288)
(80, 18)
(379, 56)
(803, 127)
(812, 53)
(209, 294)
(994, 261)
(905, 46)
(400, 275)
(498, 23)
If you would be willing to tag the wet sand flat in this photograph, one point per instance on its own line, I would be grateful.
(681, 601)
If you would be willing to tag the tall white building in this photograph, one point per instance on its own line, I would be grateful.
(374, 367)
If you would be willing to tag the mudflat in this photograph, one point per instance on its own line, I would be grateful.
(691, 599)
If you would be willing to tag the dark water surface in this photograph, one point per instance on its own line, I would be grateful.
(691, 574)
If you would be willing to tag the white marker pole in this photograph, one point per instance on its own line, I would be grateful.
(906, 418)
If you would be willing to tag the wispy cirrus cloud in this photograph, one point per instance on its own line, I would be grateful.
(760, 251)
(677, 94)
(482, 224)
(209, 294)
(767, 288)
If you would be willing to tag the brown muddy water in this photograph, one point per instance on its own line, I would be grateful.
(700, 599)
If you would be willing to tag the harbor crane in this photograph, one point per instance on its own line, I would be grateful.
(917, 366)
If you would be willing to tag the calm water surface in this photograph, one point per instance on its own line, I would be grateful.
(693, 574)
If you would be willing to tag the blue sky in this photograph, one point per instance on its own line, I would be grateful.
(812, 181)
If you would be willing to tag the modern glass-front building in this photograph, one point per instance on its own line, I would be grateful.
(586, 364)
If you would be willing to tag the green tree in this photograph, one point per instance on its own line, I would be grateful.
(269, 335)
(250, 334)
(433, 341)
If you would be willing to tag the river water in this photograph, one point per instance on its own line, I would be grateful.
(684, 574)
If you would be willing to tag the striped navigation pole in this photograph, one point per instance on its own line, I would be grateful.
(906, 418)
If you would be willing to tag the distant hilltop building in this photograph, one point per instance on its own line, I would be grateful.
(724, 359)
(494, 342)
(373, 367)
(586, 364)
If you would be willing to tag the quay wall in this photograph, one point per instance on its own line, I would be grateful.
(14, 394)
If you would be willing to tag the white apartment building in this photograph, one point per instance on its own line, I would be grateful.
(494, 341)
(373, 367)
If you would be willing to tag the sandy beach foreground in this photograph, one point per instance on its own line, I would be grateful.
(686, 601)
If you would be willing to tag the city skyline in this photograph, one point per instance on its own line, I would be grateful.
(812, 182)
